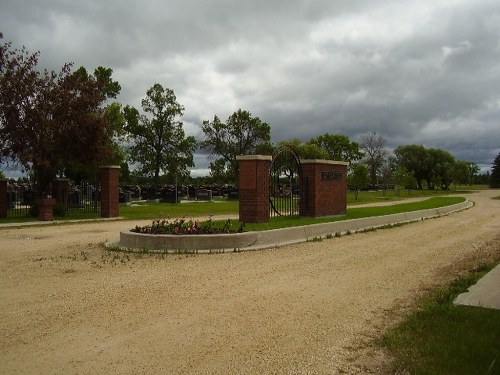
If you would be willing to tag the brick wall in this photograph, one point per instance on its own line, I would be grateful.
(254, 188)
(110, 189)
(324, 188)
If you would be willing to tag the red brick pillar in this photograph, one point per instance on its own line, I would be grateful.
(45, 208)
(324, 188)
(254, 188)
(3, 198)
(60, 191)
(110, 176)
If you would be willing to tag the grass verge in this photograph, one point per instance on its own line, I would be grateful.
(443, 338)
(153, 210)
(356, 213)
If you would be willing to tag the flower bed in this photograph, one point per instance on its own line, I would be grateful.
(183, 227)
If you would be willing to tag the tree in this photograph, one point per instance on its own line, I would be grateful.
(158, 140)
(414, 159)
(461, 173)
(359, 178)
(241, 134)
(403, 179)
(218, 172)
(495, 173)
(338, 147)
(51, 122)
(306, 150)
(375, 153)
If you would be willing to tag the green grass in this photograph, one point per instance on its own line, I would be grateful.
(443, 338)
(170, 210)
(355, 213)
(152, 210)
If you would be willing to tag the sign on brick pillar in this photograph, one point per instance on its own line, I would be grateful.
(254, 188)
(326, 190)
(3, 198)
(110, 191)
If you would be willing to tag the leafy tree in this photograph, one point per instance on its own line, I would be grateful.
(473, 170)
(306, 150)
(218, 173)
(403, 179)
(51, 122)
(241, 134)
(373, 146)
(338, 147)
(441, 164)
(495, 173)
(414, 159)
(158, 140)
(359, 178)
(461, 173)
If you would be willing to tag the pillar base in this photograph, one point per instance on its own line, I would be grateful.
(45, 208)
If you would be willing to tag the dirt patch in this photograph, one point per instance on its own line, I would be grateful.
(71, 306)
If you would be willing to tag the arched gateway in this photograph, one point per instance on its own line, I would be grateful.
(283, 184)
(285, 176)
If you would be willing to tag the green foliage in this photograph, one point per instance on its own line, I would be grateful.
(413, 159)
(218, 172)
(338, 147)
(359, 178)
(305, 150)
(52, 121)
(441, 164)
(495, 173)
(158, 140)
(435, 167)
(241, 134)
(59, 210)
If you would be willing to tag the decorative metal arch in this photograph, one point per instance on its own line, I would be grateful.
(285, 177)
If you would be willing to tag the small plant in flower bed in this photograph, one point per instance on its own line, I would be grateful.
(182, 226)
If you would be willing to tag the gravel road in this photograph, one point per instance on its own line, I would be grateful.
(68, 306)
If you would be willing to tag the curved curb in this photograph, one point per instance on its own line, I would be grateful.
(210, 243)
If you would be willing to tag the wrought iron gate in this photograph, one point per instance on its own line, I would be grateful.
(284, 182)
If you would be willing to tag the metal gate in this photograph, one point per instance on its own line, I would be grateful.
(284, 184)
(84, 198)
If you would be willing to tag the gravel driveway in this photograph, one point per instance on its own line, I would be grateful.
(70, 306)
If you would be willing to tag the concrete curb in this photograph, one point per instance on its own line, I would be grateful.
(485, 293)
(247, 241)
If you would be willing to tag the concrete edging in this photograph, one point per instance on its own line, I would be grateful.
(267, 239)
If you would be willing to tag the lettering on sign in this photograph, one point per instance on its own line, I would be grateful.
(331, 176)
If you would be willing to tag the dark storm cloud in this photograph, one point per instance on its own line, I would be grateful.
(422, 72)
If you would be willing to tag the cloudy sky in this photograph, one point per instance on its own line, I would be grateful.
(415, 72)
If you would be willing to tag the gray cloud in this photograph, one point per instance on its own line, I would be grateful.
(422, 72)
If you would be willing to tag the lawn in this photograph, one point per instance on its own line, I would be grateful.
(153, 210)
(443, 338)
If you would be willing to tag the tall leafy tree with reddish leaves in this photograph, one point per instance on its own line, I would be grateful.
(53, 121)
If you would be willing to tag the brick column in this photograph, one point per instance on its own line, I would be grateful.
(3, 198)
(324, 188)
(45, 208)
(254, 188)
(60, 191)
(110, 176)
